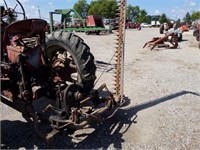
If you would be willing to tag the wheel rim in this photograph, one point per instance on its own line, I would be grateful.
(63, 65)
(15, 13)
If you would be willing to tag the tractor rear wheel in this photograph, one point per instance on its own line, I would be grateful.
(161, 29)
(70, 51)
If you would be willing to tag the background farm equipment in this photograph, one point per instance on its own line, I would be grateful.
(184, 28)
(169, 38)
(173, 34)
(196, 32)
(172, 27)
(112, 23)
(51, 77)
(92, 23)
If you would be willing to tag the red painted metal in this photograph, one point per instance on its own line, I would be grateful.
(94, 21)
(161, 41)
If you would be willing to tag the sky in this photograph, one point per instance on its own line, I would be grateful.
(174, 9)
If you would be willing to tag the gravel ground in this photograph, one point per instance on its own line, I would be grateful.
(162, 99)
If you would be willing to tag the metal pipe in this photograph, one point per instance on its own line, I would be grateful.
(90, 97)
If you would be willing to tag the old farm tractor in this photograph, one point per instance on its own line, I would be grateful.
(49, 78)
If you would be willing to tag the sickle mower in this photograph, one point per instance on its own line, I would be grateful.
(36, 68)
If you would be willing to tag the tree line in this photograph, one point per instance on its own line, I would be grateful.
(109, 8)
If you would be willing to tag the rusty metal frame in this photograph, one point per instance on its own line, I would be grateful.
(111, 103)
(169, 38)
(119, 54)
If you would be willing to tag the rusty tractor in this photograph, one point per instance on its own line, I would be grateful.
(49, 78)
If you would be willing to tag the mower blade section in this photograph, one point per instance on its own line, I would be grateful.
(119, 54)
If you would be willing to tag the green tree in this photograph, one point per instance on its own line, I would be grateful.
(163, 18)
(109, 8)
(94, 8)
(148, 19)
(132, 12)
(82, 8)
(187, 18)
(104, 8)
(195, 15)
(142, 16)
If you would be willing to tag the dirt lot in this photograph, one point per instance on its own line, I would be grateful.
(162, 93)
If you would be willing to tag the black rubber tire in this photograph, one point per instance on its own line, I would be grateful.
(98, 32)
(180, 37)
(161, 29)
(80, 52)
(87, 32)
(198, 38)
